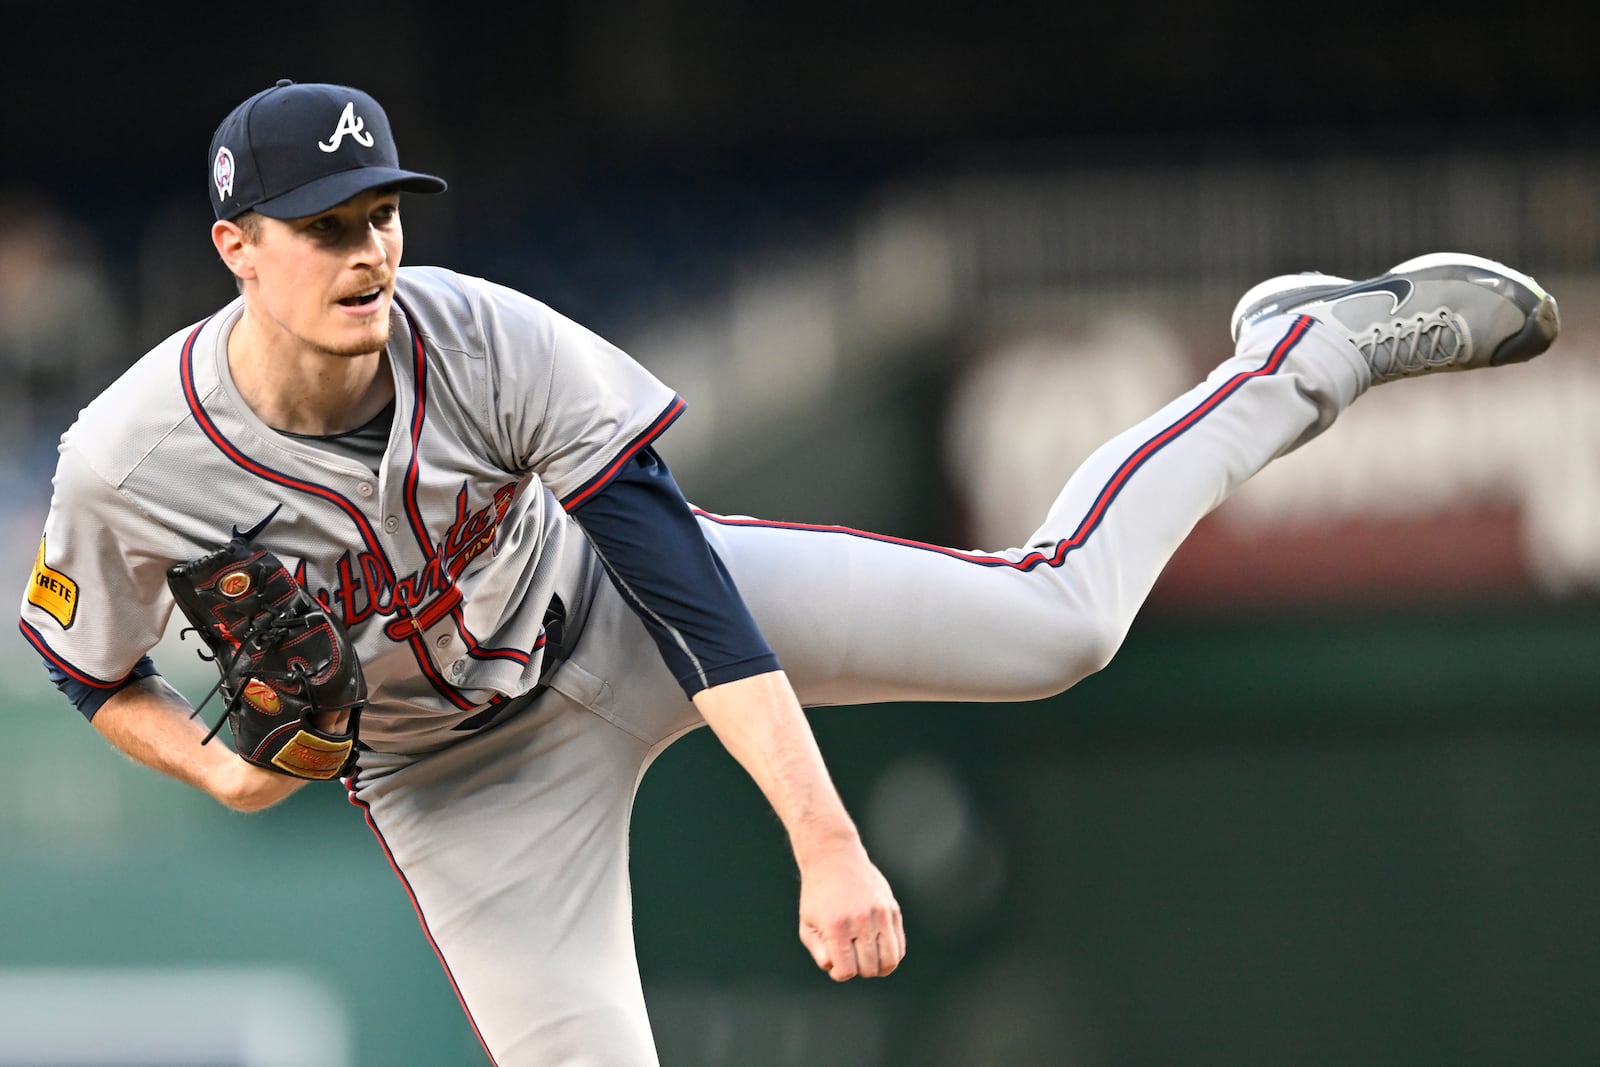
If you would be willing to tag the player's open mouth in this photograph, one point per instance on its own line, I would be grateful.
(362, 299)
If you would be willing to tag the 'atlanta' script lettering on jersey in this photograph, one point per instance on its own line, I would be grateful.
(362, 589)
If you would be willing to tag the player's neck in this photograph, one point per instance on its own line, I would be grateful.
(294, 387)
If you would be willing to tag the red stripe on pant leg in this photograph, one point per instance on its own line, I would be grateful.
(1097, 507)
(422, 920)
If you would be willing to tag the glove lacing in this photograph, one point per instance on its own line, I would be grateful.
(262, 636)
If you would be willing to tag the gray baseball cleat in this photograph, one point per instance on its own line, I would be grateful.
(1443, 311)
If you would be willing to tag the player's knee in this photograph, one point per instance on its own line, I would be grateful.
(1082, 647)
(1101, 645)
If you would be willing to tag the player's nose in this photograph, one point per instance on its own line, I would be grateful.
(370, 250)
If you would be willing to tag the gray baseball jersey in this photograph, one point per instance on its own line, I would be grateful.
(441, 564)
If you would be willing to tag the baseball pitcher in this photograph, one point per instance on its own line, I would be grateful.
(421, 523)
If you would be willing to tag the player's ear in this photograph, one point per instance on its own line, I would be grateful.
(235, 248)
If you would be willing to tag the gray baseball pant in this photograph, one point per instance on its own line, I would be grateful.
(513, 843)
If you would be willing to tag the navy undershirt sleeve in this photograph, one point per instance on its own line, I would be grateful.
(652, 546)
(89, 698)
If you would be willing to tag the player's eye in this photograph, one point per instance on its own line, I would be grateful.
(385, 213)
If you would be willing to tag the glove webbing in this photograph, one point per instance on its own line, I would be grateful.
(260, 636)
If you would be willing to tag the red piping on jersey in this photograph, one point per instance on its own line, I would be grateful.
(41, 646)
(477, 651)
(1102, 503)
(418, 647)
(416, 906)
(419, 390)
(650, 433)
(447, 602)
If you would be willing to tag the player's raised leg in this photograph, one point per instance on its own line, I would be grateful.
(858, 617)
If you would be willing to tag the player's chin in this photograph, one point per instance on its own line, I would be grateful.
(358, 338)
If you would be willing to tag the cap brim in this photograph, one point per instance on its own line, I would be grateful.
(331, 190)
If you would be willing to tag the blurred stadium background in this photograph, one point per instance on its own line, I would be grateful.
(1333, 804)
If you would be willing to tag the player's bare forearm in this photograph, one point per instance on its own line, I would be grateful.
(849, 919)
(152, 723)
(760, 722)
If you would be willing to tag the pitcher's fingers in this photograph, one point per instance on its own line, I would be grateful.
(811, 938)
(867, 951)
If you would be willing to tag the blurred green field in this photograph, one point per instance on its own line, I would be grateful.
(1348, 841)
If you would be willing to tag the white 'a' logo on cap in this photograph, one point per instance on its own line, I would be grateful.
(348, 123)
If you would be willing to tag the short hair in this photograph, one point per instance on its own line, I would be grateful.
(250, 225)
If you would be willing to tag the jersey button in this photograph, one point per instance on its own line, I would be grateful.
(443, 641)
(364, 488)
(391, 524)
(457, 669)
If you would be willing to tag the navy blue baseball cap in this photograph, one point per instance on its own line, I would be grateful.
(295, 150)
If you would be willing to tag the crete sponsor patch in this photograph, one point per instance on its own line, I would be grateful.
(53, 591)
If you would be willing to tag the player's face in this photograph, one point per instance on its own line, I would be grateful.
(326, 281)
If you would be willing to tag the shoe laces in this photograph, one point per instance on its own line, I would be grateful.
(1414, 345)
